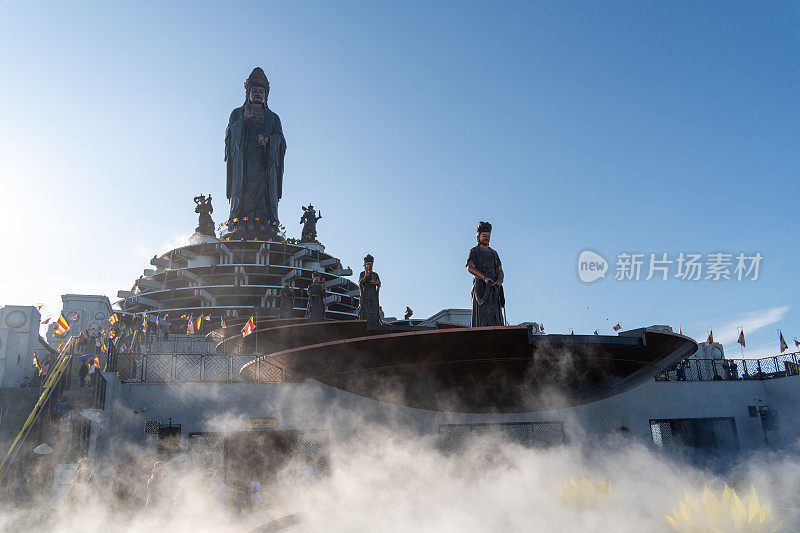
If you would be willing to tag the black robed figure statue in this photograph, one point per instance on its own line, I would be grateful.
(487, 285)
(369, 284)
(254, 151)
(287, 301)
(315, 312)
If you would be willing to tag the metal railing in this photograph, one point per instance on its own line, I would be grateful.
(185, 367)
(99, 383)
(733, 369)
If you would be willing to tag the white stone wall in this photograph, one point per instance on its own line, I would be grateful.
(200, 407)
(19, 340)
(452, 316)
(94, 312)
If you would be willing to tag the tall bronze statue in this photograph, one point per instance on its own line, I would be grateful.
(315, 312)
(254, 151)
(484, 264)
(309, 222)
(287, 301)
(369, 284)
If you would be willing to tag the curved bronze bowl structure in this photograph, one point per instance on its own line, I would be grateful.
(273, 336)
(483, 370)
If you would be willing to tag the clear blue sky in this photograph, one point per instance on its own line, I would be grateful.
(616, 126)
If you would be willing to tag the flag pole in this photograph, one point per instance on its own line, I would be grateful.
(741, 348)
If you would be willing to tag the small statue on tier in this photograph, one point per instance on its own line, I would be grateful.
(315, 312)
(205, 225)
(309, 222)
(369, 284)
(287, 301)
(484, 264)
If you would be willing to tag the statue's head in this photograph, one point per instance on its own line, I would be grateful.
(368, 261)
(484, 233)
(257, 87)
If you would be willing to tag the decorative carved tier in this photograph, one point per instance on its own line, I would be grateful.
(237, 279)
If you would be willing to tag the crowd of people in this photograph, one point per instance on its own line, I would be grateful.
(137, 488)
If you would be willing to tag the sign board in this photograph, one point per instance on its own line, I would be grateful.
(262, 423)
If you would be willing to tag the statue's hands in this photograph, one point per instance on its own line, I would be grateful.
(263, 141)
(488, 281)
(498, 283)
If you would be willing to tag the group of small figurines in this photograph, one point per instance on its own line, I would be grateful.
(483, 263)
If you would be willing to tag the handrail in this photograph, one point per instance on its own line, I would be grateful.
(777, 366)
(55, 375)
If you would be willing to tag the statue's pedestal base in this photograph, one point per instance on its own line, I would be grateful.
(201, 238)
(313, 245)
(251, 232)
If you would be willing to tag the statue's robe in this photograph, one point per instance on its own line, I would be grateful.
(369, 309)
(309, 221)
(315, 312)
(255, 173)
(287, 303)
(487, 302)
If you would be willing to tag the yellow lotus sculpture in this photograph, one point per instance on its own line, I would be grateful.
(584, 493)
(718, 515)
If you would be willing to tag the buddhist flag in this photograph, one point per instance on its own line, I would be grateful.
(710, 339)
(113, 319)
(76, 317)
(96, 362)
(157, 320)
(38, 307)
(62, 326)
(784, 346)
(617, 327)
(222, 323)
(45, 321)
(248, 328)
(741, 338)
(104, 348)
(64, 346)
(190, 326)
(680, 331)
(144, 323)
(35, 361)
(207, 317)
(43, 371)
(796, 342)
(596, 333)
